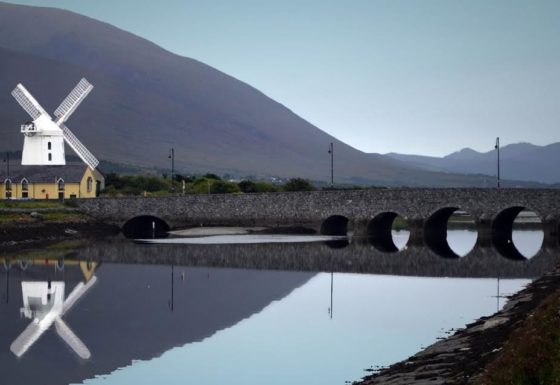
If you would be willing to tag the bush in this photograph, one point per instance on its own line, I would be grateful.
(247, 186)
(298, 184)
(114, 180)
(267, 187)
(221, 187)
(199, 186)
(134, 184)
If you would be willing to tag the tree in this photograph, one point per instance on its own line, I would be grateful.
(267, 187)
(247, 186)
(212, 176)
(298, 184)
(114, 180)
(221, 187)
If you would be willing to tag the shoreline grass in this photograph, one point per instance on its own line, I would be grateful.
(532, 353)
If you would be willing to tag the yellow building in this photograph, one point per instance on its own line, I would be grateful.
(50, 182)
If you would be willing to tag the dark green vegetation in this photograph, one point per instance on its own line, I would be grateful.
(532, 354)
(23, 204)
(206, 184)
(35, 212)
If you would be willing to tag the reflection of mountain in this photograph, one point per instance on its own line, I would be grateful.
(126, 316)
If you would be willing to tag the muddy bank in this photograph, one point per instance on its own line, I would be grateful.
(461, 357)
(23, 233)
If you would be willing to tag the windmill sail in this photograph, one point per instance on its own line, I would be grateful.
(71, 339)
(27, 338)
(77, 293)
(28, 102)
(72, 101)
(79, 148)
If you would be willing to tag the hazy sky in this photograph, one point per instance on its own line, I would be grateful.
(426, 76)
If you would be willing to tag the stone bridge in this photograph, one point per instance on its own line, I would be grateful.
(363, 212)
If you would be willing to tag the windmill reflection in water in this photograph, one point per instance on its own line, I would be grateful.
(45, 304)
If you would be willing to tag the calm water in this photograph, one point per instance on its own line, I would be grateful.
(200, 321)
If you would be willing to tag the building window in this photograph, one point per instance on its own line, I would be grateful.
(24, 188)
(8, 188)
(49, 145)
(89, 184)
(50, 157)
(61, 189)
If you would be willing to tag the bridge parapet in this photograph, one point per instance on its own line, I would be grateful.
(316, 206)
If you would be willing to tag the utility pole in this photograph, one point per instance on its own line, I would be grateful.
(331, 308)
(497, 147)
(172, 157)
(172, 300)
(331, 151)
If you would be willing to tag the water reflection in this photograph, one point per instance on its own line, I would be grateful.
(332, 289)
(246, 239)
(527, 242)
(44, 303)
(176, 312)
(134, 312)
(348, 255)
(400, 238)
(378, 321)
(461, 241)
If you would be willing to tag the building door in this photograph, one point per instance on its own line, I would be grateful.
(61, 195)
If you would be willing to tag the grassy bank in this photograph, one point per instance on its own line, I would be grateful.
(532, 354)
(31, 204)
(17, 212)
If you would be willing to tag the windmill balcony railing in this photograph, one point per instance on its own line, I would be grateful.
(28, 128)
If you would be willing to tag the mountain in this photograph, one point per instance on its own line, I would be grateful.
(147, 100)
(521, 161)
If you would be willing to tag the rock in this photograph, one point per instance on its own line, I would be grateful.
(36, 215)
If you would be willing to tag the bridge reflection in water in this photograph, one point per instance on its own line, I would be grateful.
(151, 298)
(356, 255)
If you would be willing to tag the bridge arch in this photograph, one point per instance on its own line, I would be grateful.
(502, 232)
(379, 232)
(436, 236)
(335, 225)
(145, 226)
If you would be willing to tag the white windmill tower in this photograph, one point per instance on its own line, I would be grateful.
(44, 137)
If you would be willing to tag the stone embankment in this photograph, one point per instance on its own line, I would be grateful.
(463, 356)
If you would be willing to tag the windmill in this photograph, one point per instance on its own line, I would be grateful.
(44, 136)
(44, 304)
